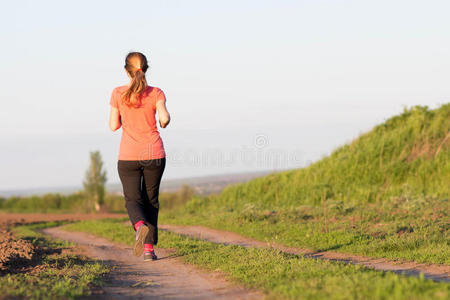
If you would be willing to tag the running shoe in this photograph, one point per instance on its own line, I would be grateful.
(150, 255)
(141, 234)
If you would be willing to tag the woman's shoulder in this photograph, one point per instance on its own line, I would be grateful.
(154, 92)
(154, 89)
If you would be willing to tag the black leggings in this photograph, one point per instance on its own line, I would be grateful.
(140, 182)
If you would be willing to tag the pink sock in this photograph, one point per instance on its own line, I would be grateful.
(139, 223)
(148, 247)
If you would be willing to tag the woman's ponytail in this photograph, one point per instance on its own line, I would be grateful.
(136, 65)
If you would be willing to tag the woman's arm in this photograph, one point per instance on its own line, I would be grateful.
(163, 114)
(114, 119)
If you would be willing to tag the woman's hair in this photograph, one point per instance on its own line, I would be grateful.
(136, 65)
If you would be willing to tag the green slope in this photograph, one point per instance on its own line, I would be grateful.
(384, 194)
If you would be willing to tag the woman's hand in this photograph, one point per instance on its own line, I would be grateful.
(114, 119)
(163, 114)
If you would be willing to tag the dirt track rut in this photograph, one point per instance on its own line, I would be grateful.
(430, 271)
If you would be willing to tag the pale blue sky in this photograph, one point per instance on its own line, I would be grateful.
(244, 80)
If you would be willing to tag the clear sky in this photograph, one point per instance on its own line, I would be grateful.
(250, 85)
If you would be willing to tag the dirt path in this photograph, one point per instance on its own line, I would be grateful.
(430, 271)
(166, 278)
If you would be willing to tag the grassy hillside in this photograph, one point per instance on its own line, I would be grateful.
(397, 158)
(384, 194)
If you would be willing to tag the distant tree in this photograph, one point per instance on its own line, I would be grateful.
(94, 182)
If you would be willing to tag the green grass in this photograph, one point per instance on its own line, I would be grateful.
(278, 274)
(56, 276)
(31, 232)
(111, 229)
(386, 194)
(413, 230)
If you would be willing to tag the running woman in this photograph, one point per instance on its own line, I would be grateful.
(142, 158)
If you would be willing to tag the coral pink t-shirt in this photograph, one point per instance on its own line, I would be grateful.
(140, 136)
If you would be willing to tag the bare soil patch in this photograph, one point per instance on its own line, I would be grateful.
(14, 253)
